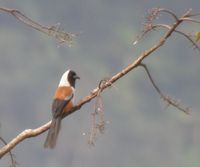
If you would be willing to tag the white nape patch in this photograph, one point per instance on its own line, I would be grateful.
(64, 80)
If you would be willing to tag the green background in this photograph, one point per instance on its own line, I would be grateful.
(142, 132)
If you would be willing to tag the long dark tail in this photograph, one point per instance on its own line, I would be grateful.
(52, 135)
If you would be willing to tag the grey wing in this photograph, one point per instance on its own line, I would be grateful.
(58, 106)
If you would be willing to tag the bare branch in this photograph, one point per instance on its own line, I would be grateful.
(149, 26)
(191, 20)
(190, 39)
(22, 136)
(13, 160)
(55, 31)
(126, 70)
(193, 15)
(94, 93)
(169, 12)
(169, 100)
(163, 26)
(179, 32)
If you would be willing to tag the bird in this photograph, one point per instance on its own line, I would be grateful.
(63, 102)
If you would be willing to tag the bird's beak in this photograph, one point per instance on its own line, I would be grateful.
(76, 77)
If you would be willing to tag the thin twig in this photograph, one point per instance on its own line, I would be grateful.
(54, 31)
(193, 15)
(34, 132)
(98, 122)
(149, 26)
(167, 99)
(126, 70)
(191, 20)
(179, 32)
(169, 12)
(190, 39)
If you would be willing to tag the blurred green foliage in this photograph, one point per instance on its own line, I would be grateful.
(142, 132)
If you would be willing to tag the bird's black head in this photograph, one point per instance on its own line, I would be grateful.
(72, 77)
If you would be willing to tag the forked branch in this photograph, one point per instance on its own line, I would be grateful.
(108, 83)
(149, 25)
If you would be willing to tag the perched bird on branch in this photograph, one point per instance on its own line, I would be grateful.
(62, 103)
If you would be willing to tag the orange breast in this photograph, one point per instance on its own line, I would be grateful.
(64, 93)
